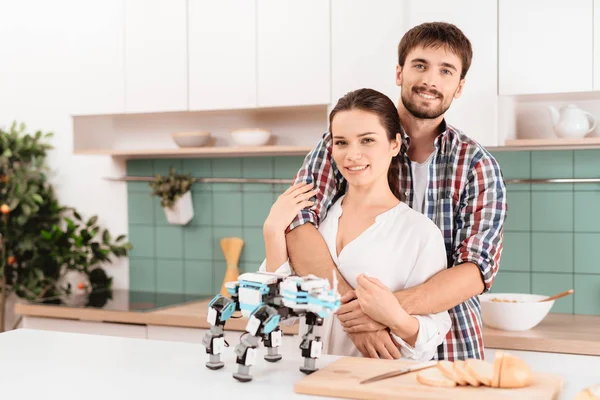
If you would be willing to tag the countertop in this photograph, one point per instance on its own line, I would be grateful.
(101, 367)
(190, 315)
(560, 333)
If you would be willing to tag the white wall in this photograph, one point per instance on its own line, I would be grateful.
(37, 81)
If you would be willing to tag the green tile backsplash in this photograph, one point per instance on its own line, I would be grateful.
(188, 259)
(552, 230)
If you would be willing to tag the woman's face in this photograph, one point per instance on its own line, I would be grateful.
(361, 147)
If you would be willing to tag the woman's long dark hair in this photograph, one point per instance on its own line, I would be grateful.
(377, 103)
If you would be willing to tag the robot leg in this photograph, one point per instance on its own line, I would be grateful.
(246, 352)
(311, 345)
(262, 322)
(272, 342)
(220, 309)
(214, 341)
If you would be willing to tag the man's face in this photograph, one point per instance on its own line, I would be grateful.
(430, 79)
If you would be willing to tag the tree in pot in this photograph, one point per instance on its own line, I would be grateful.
(175, 193)
(42, 242)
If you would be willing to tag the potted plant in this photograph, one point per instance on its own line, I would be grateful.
(175, 193)
(46, 250)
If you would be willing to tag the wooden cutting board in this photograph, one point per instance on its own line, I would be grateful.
(342, 379)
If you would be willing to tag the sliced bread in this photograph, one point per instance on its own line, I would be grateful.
(434, 377)
(480, 370)
(447, 368)
(497, 368)
(514, 373)
(460, 370)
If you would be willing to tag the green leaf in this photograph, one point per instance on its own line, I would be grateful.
(77, 216)
(38, 198)
(26, 210)
(119, 238)
(106, 237)
(92, 221)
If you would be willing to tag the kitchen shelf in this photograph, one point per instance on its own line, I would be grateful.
(194, 152)
(551, 143)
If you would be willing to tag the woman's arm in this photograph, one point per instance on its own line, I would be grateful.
(275, 249)
(283, 211)
(433, 327)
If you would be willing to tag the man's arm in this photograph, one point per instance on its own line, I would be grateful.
(443, 291)
(479, 232)
(309, 254)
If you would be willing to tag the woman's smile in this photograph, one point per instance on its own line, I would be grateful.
(356, 169)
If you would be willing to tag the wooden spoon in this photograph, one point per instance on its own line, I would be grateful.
(558, 296)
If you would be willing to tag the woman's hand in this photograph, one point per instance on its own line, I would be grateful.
(287, 206)
(353, 318)
(378, 302)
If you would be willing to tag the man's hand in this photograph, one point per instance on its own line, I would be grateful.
(378, 344)
(353, 318)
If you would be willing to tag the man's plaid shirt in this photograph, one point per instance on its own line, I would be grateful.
(466, 198)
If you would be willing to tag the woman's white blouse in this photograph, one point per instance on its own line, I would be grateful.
(403, 248)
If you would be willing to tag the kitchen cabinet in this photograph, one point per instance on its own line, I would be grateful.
(222, 56)
(293, 52)
(155, 55)
(96, 40)
(88, 327)
(545, 46)
(364, 41)
(475, 111)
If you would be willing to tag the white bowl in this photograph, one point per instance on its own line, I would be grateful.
(250, 137)
(191, 139)
(526, 313)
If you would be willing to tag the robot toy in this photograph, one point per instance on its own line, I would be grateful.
(266, 299)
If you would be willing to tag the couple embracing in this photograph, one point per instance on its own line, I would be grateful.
(406, 209)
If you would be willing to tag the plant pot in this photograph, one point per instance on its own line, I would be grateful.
(182, 211)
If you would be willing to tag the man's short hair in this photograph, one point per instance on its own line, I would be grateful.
(437, 34)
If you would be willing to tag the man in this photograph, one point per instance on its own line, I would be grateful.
(443, 174)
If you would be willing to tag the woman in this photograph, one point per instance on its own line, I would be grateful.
(368, 230)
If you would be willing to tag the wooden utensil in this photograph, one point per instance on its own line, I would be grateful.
(558, 296)
(232, 249)
(342, 378)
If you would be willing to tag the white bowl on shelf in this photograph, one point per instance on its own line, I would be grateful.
(513, 311)
(191, 139)
(250, 136)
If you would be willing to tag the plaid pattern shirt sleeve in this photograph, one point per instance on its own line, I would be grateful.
(480, 221)
(318, 168)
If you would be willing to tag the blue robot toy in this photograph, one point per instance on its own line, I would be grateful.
(266, 299)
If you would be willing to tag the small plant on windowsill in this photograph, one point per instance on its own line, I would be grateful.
(175, 193)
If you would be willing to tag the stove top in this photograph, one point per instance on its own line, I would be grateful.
(124, 300)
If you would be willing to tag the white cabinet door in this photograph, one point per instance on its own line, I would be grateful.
(475, 111)
(96, 38)
(222, 54)
(545, 46)
(155, 55)
(364, 42)
(293, 52)
(88, 327)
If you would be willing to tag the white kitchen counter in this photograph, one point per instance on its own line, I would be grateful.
(41, 364)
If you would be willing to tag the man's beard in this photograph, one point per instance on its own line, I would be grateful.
(424, 112)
